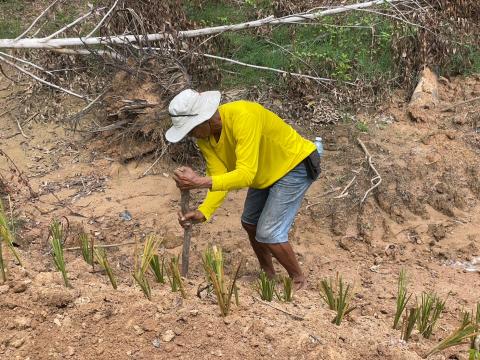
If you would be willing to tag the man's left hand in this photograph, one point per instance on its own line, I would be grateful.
(188, 179)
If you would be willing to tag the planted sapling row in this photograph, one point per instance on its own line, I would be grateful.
(337, 296)
(57, 241)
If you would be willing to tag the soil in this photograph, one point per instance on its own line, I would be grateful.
(424, 217)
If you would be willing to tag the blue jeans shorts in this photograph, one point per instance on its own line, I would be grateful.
(273, 209)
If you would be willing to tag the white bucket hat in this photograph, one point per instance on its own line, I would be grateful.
(189, 109)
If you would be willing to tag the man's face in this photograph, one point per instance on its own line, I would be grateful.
(201, 131)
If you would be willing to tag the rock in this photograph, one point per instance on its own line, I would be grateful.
(57, 322)
(194, 312)
(55, 297)
(156, 342)
(210, 333)
(3, 289)
(22, 323)
(19, 288)
(138, 330)
(177, 330)
(168, 336)
(424, 97)
(70, 351)
(17, 343)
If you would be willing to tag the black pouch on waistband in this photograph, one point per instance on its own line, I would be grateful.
(312, 164)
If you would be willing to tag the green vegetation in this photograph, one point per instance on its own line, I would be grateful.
(87, 250)
(158, 268)
(265, 287)
(402, 298)
(361, 126)
(287, 294)
(213, 265)
(56, 241)
(429, 311)
(101, 257)
(174, 277)
(139, 274)
(337, 296)
(409, 323)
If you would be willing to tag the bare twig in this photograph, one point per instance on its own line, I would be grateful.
(103, 20)
(344, 191)
(41, 80)
(460, 103)
(377, 179)
(68, 26)
(322, 195)
(21, 130)
(102, 246)
(26, 62)
(294, 316)
(35, 21)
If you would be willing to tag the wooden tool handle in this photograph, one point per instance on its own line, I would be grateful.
(187, 232)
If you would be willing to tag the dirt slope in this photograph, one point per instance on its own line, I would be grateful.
(424, 218)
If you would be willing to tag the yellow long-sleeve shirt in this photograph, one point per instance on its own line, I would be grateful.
(255, 149)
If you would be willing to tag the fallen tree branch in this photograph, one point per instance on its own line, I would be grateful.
(26, 62)
(294, 316)
(460, 103)
(377, 179)
(42, 80)
(127, 39)
(35, 21)
(103, 20)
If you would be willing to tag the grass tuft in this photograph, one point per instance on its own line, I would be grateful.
(174, 277)
(265, 287)
(287, 294)
(87, 250)
(101, 257)
(56, 240)
(337, 296)
(214, 270)
(158, 268)
(460, 336)
(7, 234)
(409, 320)
(151, 243)
(402, 298)
(429, 311)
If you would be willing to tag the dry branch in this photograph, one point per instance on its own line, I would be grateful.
(377, 179)
(127, 39)
(187, 235)
(35, 21)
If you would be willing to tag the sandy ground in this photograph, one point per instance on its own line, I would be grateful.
(424, 218)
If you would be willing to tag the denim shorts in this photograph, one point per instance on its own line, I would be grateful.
(273, 209)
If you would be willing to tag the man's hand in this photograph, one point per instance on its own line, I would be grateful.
(191, 217)
(188, 179)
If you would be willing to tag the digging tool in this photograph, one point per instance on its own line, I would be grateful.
(187, 232)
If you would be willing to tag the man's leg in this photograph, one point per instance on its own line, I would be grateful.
(284, 199)
(262, 251)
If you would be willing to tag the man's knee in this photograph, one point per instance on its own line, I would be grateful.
(249, 228)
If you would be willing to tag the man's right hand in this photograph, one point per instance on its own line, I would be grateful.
(191, 217)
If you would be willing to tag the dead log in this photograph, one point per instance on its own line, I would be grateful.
(424, 97)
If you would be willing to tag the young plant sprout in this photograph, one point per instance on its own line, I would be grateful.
(87, 250)
(461, 335)
(409, 320)
(214, 270)
(101, 257)
(174, 278)
(287, 294)
(151, 243)
(56, 240)
(158, 268)
(6, 234)
(3, 277)
(402, 298)
(265, 287)
(429, 311)
(337, 296)
(474, 352)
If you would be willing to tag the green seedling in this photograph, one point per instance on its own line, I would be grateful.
(151, 243)
(429, 311)
(87, 250)
(461, 335)
(337, 296)
(6, 234)
(56, 240)
(409, 320)
(3, 277)
(214, 270)
(287, 294)
(158, 268)
(402, 298)
(174, 277)
(101, 257)
(474, 352)
(265, 287)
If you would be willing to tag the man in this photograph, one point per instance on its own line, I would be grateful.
(246, 145)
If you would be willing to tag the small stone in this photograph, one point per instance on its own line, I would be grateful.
(156, 342)
(3, 289)
(23, 323)
(57, 322)
(193, 312)
(138, 330)
(210, 333)
(177, 330)
(70, 351)
(20, 288)
(18, 343)
(168, 336)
